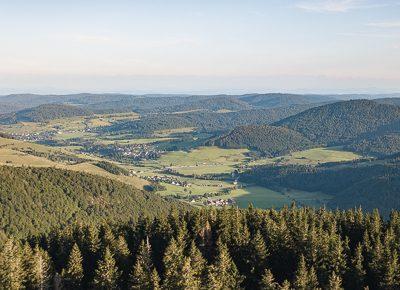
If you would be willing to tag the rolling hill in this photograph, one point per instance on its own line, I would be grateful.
(44, 113)
(365, 183)
(205, 121)
(19, 153)
(341, 122)
(269, 140)
(276, 100)
(36, 200)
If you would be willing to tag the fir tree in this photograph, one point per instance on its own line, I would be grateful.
(188, 281)
(268, 281)
(285, 285)
(173, 263)
(357, 274)
(40, 270)
(390, 279)
(155, 280)
(335, 282)
(258, 257)
(107, 273)
(197, 263)
(305, 279)
(11, 266)
(301, 280)
(223, 274)
(141, 277)
(312, 279)
(73, 274)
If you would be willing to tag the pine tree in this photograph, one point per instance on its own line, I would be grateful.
(107, 273)
(357, 275)
(173, 263)
(258, 257)
(197, 263)
(141, 277)
(285, 285)
(301, 280)
(27, 255)
(11, 266)
(121, 250)
(390, 279)
(73, 274)
(268, 281)
(40, 270)
(187, 280)
(312, 279)
(155, 280)
(335, 282)
(223, 274)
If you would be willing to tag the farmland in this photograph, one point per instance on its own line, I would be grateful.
(208, 172)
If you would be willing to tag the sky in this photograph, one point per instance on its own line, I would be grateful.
(203, 46)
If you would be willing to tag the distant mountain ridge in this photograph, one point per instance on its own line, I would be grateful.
(43, 113)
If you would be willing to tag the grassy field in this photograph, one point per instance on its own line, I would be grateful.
(167, 132)
(11, 154)
(133, 141)
(68, 124)
(203, 160)
(310, 156)
(266, 198)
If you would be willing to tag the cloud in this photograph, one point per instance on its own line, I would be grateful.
(367, 34)
(389, 24)
(339, 5)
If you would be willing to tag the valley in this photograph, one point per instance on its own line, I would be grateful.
(175, 163)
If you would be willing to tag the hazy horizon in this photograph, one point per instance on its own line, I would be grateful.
(200, 47)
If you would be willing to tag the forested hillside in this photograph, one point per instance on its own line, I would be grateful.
(377, 145)
(44, 113)
(369, 184)
(269, 140)
(37, 200)
(205, 121)
(276, 100)
(214, 249)
(340, 122)
(382, 142)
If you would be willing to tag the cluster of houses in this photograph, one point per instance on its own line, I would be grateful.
(167, 179)
(34, 137)
(138, 151)
(219, 202)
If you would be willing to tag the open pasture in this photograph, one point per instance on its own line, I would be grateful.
(310, 156)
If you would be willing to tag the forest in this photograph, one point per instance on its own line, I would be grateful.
(43, 113)
(369, 183)
(38, 200)
(293, 248)
(269, 140)
(341, 122)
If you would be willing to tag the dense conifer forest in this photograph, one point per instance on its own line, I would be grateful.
(341, 122)
(44, 113)
(269, 140)
(37, 200)
(369, 183)
(294, 248)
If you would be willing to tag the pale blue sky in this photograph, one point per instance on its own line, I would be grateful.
(203, 46)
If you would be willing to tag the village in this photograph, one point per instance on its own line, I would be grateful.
(167, 179)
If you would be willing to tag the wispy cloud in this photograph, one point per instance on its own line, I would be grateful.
(367, 34)
(339, 5)
(388, 24)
